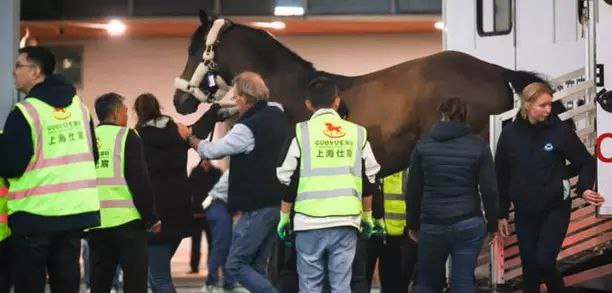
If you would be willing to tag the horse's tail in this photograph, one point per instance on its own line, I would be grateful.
(519, 79)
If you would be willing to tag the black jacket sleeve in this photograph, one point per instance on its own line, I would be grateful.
(378, 201)
(502, 170)
(488, 188)
(94, 145)
(414, 191)
(16, 146)
(289, 192)
(138, 180)
(580, 159)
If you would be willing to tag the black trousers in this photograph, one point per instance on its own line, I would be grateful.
(540, 238)
(5, 272)
(360, 283)
(397, 262)
(54, 253)
(125, 245)
(196, 242)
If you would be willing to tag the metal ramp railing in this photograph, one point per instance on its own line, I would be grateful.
(587, 234)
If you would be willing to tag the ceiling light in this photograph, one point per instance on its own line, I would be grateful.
(439, 25)
(277, 25)
(115, 27)
(288, 11)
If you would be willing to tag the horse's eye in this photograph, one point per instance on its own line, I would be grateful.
(191, 52)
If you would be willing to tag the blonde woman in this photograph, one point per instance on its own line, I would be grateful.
(532, 174)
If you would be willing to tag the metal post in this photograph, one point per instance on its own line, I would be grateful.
(589, 67)
(9, 40)
(496, 250)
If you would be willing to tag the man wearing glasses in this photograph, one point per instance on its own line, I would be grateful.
(48, 155)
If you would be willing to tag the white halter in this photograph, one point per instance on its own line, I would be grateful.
(193, 86)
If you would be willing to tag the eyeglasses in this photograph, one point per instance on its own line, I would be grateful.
(19, 65)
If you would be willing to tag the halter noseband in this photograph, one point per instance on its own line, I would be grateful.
(204, 67)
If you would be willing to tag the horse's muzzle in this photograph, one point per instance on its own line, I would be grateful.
(185, 103)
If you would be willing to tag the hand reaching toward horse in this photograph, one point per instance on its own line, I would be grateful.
(183, 130)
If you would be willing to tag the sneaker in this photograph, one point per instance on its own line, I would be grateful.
(113, 290)
(210, 289)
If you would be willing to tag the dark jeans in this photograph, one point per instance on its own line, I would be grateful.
(126, 246)
(199, 224)
(359, 279)
(160, 275)
(540, 238)
(397, 260)
(54, 253)
(5, 272)
(220, 221)
(463, 241)
(252, 240)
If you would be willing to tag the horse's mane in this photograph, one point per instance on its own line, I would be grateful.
(269, 40)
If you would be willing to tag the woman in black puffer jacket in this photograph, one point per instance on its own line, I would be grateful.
(166, 154)
(451, 174)
(532, 174)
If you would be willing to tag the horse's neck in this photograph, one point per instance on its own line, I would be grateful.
(342, 81)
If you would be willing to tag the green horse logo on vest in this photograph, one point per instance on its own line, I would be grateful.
(333, 131)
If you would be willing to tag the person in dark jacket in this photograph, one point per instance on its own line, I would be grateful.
(44, 244)
(124, 244)
(202, 179)
(254, 144)
(166, 154)
(451, 173)
(532, 174)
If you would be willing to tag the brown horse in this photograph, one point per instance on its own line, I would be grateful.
(397, 105)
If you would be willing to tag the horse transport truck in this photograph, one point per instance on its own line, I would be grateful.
(570, 43)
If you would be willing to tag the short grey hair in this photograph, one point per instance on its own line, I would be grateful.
(252, 86)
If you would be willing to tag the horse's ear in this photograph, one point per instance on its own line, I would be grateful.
(206, 19)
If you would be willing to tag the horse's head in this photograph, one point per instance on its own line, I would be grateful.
(220, 49)
(202, 80)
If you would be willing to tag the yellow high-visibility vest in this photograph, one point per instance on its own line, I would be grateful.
(330, 166)
(116, 202)
(60, 179)
(5, 231)
(394, 203)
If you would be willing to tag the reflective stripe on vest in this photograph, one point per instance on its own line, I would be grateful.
(4, 228)
(330, 167)
(394, 203)
(116, 202)
(62, 165)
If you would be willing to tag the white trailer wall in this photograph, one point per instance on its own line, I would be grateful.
(9, 38)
